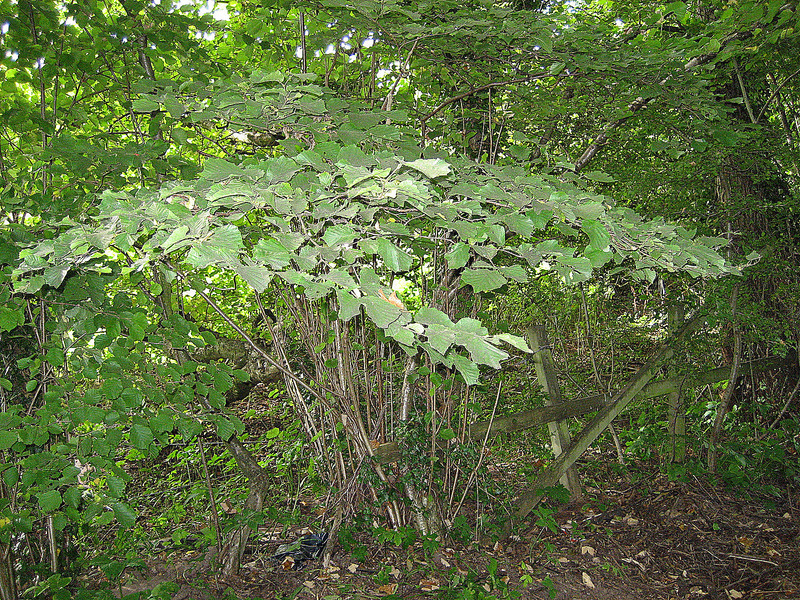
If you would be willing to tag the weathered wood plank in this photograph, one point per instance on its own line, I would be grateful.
(545, 368)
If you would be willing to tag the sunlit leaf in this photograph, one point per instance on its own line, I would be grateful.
(430, 167)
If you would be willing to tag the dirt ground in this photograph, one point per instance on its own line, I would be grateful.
(651, 540)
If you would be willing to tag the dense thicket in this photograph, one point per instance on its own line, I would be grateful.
(369, 203)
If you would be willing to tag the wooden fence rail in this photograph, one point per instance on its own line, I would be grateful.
(390, 452)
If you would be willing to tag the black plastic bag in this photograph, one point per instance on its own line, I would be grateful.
(292, 556)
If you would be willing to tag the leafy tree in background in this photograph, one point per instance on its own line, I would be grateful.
(154, 159)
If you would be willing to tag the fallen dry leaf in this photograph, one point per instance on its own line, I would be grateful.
(353, 568)
(587, 550)
(329, 573)
(587, 581)
(633, 561)
(429, 585)
(735, 594)
(746, 542)
(388, 589)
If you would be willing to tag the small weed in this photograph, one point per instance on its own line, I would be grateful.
(616, 570)
(544, 518)
(460, 530)
(548, 584)
(403, 537)
(351, 545)
(383, 576)
(430, 543)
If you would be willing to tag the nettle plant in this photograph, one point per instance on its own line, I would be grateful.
(373, 253)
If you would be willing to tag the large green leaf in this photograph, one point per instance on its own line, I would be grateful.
(430, 167)
(483, 279)
(141, 436)
(124, 515)
(49, 501)
(395, 259)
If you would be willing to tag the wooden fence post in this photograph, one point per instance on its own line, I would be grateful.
(559, 430)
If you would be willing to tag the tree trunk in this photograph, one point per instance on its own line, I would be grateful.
(257, 479)
(677, 417)
(725, 403)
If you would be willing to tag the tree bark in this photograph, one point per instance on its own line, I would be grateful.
(677, 418)
(727, 396)
(8, 579)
